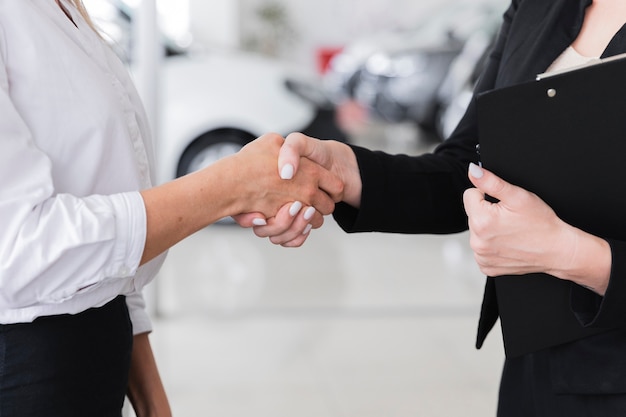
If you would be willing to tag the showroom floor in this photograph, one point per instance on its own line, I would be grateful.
(368, 325)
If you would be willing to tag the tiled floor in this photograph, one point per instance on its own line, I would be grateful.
(348, 326)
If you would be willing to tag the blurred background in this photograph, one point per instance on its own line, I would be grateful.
(349, 325)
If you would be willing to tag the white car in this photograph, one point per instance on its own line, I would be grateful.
(214, 102)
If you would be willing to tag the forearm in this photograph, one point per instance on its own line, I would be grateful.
(145, 388)
(247, 182)
(406, 194)
(180, 208)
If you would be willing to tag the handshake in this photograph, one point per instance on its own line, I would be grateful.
(283, 187)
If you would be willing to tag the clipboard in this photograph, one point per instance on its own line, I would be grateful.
(562, 137)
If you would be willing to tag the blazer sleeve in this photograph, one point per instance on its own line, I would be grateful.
(609, 311)
(422, 194)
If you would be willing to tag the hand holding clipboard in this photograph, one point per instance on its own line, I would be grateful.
(562, 138)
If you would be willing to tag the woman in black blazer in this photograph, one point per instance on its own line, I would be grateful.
(425, 194)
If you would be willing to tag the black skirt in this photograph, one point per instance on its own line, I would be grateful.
(67, 365)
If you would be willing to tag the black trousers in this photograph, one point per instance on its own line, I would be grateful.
(67, 365)
(586, 378)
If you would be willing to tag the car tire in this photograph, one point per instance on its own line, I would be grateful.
(211, 147)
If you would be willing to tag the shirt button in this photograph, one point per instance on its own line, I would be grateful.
(124, 271)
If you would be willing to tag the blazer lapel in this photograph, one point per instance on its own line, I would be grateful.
(550, 27)
(616, 46)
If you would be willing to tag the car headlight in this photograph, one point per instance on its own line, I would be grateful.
(421, 84)
(408, 90)
(341, 73)
(401, 65)
(344, 63)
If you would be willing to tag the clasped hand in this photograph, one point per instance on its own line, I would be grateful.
(293, 198)
(521, 234)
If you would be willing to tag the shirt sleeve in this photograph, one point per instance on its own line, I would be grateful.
(138, 314)
(54, 246)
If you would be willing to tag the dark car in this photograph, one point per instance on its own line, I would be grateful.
(457, 88)
(400, 81)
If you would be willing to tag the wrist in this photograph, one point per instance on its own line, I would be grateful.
(346, 167)
(219, 191)
(588, 261)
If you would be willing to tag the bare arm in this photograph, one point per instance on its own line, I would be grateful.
(145, 389)
(243, 183)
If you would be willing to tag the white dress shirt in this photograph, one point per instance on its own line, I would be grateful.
(74, 152)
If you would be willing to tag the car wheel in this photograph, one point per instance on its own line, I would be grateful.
(211, 147)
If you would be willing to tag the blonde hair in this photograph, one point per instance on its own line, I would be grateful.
(83, 11)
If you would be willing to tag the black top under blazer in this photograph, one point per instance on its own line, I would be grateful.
(424, 194)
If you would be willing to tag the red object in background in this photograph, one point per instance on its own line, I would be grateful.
(324, 55)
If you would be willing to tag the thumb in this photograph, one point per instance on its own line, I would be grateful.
(296, 145)
(490, 184)
(250, 219)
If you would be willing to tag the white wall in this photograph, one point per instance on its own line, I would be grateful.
(334, 23)
(215, 22)
(317, 23)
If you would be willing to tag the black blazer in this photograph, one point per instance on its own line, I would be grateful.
(423, 194)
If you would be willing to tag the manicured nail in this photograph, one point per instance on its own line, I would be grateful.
(307, 229)
(475, 170)
(286, 172)
(259, 222)
(295, 208)
(309, 213)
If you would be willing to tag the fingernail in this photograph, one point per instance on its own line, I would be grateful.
(475, 170)
(286, 172)
(307, 229)
(259, 222)
(309, 213)
(295, 208)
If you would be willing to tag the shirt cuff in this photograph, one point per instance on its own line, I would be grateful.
(131, 224)
(138, 315)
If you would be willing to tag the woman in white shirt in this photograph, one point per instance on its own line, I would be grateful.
(83, 227)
